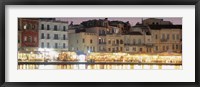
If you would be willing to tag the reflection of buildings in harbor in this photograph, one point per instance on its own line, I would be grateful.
(105, 67)
(150, 36)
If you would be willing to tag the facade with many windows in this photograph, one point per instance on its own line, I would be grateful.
(28, 34)
(150, 36)
(53, 35)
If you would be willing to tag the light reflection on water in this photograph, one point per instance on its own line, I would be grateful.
(98, 66)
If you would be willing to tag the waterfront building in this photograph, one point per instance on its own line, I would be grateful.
(28, 34)
(84, 42)
(53, 35)
(151, 36)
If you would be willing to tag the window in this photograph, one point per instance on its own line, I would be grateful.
(93, 48)
(25, 38)
(163, 36)
(176, 46)
(108, 49)
(139, 41)
(33, 26)
(29, 39)
(177, 37)
(156, 48)
(173, 36)
(55, 28)
(42, 36)
(42, 27)
(121, 49)
(64, 28)
(87, 47)
(109, 41)
(173, 46)
(117, 41)
(42, 45)
(163, 48)
(83, 40)
(64, 37)
(156, 37)
(91, 41)
(25, 26)
(121, 41)
(48, 27)
(56, 45)
(56, 36)
(127, 49)
(167, 47)
(140, 49)
(167, 36)
(29, 26)
(48, 45)
(63, 45)
(48, 36)
(134, 49)
(113, 49)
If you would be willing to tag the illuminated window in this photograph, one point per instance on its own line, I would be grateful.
(25, 26)
(25, 38)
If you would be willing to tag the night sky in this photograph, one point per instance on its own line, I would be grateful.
(132, 20)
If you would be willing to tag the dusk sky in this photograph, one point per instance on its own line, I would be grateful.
(132, 20)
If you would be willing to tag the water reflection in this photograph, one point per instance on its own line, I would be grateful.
(98, 66)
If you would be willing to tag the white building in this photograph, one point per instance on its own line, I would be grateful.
(53, 35)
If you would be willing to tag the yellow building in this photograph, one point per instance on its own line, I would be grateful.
(151, 36)
(85, 42)
(167, 38)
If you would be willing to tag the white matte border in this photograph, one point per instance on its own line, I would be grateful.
(12, 12)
